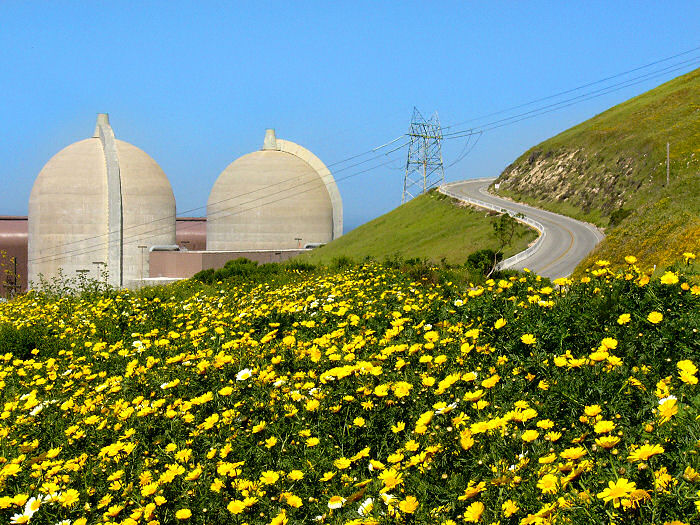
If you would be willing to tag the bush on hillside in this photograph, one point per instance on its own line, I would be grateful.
(237, 269)
(618, 216)
(484, 261)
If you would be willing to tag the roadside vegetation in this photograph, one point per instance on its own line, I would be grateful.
(364, 393)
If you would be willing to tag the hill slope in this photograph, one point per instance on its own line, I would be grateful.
(430, 226)
(611, 170)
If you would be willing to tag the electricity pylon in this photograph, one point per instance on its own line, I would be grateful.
(424, 168)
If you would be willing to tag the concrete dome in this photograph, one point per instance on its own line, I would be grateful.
(278, 198)
(97, 201)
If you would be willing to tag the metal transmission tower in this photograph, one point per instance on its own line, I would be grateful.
(424, 168)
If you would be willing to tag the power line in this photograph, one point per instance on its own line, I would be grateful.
(366, 152)
(99, 246)
(466, 150)
(493, 125)
(489, 126)
(566, 92)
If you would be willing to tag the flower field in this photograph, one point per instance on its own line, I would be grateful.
(361, 396)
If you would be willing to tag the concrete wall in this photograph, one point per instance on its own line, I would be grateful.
(115, 215)
(186, 264)
(68, 212)
(266, 200)
(93, 204)
(148, 208)
(319, 167)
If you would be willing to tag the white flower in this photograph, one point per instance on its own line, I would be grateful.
(366, 507)
(54, 496)
(32, 506)
(520, 458)
(388, 498)
(243, 374)
(667, 398)
(336, 502)
(19, 518)
(458, 302)
(448, 408)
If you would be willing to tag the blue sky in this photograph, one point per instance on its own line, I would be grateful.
(195, 84)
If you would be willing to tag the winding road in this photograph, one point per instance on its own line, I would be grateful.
(564, 241)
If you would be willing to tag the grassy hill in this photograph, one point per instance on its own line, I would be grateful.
(431, 226)
(611, 170)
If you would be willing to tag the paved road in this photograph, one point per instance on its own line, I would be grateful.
(566, 241)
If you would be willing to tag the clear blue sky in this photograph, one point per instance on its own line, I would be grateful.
(195, 84)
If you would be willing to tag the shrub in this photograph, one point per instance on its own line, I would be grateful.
(341, 262)
(618, 216)
(484, 260)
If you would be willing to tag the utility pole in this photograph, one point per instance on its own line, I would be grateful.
(424, 168)
(668, 161)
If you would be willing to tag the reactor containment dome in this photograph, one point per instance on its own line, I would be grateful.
(95, 206)
(281, 197)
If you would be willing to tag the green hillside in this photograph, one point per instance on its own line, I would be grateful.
(611, 170)
(430, 226)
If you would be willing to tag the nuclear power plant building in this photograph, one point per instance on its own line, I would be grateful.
(281, 197)
(103, 207)
(93, 204)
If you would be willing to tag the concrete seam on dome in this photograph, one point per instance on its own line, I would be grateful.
(115, 261)
(319, 167)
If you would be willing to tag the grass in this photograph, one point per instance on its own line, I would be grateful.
(616, 163)
(431, 226)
